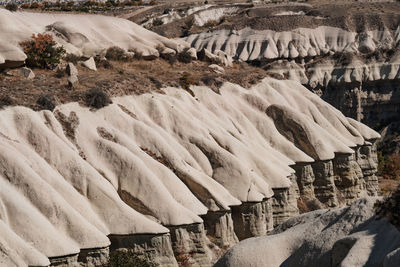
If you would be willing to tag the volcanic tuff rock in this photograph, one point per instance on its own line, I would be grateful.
(348, 236)
(82, 35)
(357, 72)
(153, 172)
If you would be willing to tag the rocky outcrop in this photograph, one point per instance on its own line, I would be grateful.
(93, 256)
(367, 160)
(248, 44)
(348, 177)
(191, 245)
(220, 229)
(157, 248)
(78, 34)
(253, 219)
(305, 180)
(349, 236)
(174, 176)
(284, 202)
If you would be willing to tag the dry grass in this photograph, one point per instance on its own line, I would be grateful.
(388, 186)
(125, 78)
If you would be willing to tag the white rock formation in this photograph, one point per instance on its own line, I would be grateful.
(248, 44)
(71, 178)
(82, 35)
(343, 237)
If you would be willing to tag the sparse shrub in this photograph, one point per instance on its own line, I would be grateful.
(212, 81)
(34, 5)
(12, 7)
(97, 98)
(25, 6)
(128, 258)
(184, 258)
(153, 3)
(103, 63)
(157, 22)
(185, 56)
(186, 80)
(72, 58)
(389, 166)
(117, 53)
(156, 82)
(59, 72)
(308, 205)
(42, 51)
(389, 208)
(47, 102)
(210, 24)
(188, 26)
(6, 101)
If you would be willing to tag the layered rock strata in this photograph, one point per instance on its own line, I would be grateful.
(253, 219)
(156, 248)
(148, 172)
(220, 229)
(191, 245)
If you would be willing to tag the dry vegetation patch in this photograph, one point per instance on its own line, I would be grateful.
(134, 77)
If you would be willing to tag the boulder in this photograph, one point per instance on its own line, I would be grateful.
(73, 81)
(90, 64)
(217, 69)
(220, 57)
(22, 72)
(193, 52)
(71, 69)
(27, 73)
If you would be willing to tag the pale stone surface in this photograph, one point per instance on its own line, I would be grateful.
(190, 243)
(90, 64)
(27, 73)
(218, 57)
(348, 236)
(155, 160)
(220, 228)
(253, 219)
(81, 35)
(248, 44)
(216, 68)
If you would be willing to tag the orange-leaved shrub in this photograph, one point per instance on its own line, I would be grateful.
(42, 51)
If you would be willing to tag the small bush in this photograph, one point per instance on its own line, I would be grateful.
(6, 101)
(46, 102)
(42, 51)
(128, 259)
(117, 53)
(157, 22)
(103, 63)
(72, 58)
(185, 56)
(210, 24)
(97, 98)
(389, 208)
(12, 7)
(389, 166)
(34, 5)
(186, 80)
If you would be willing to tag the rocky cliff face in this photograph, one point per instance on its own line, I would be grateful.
(173, 176)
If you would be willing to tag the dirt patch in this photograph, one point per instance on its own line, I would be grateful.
(125, 78)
